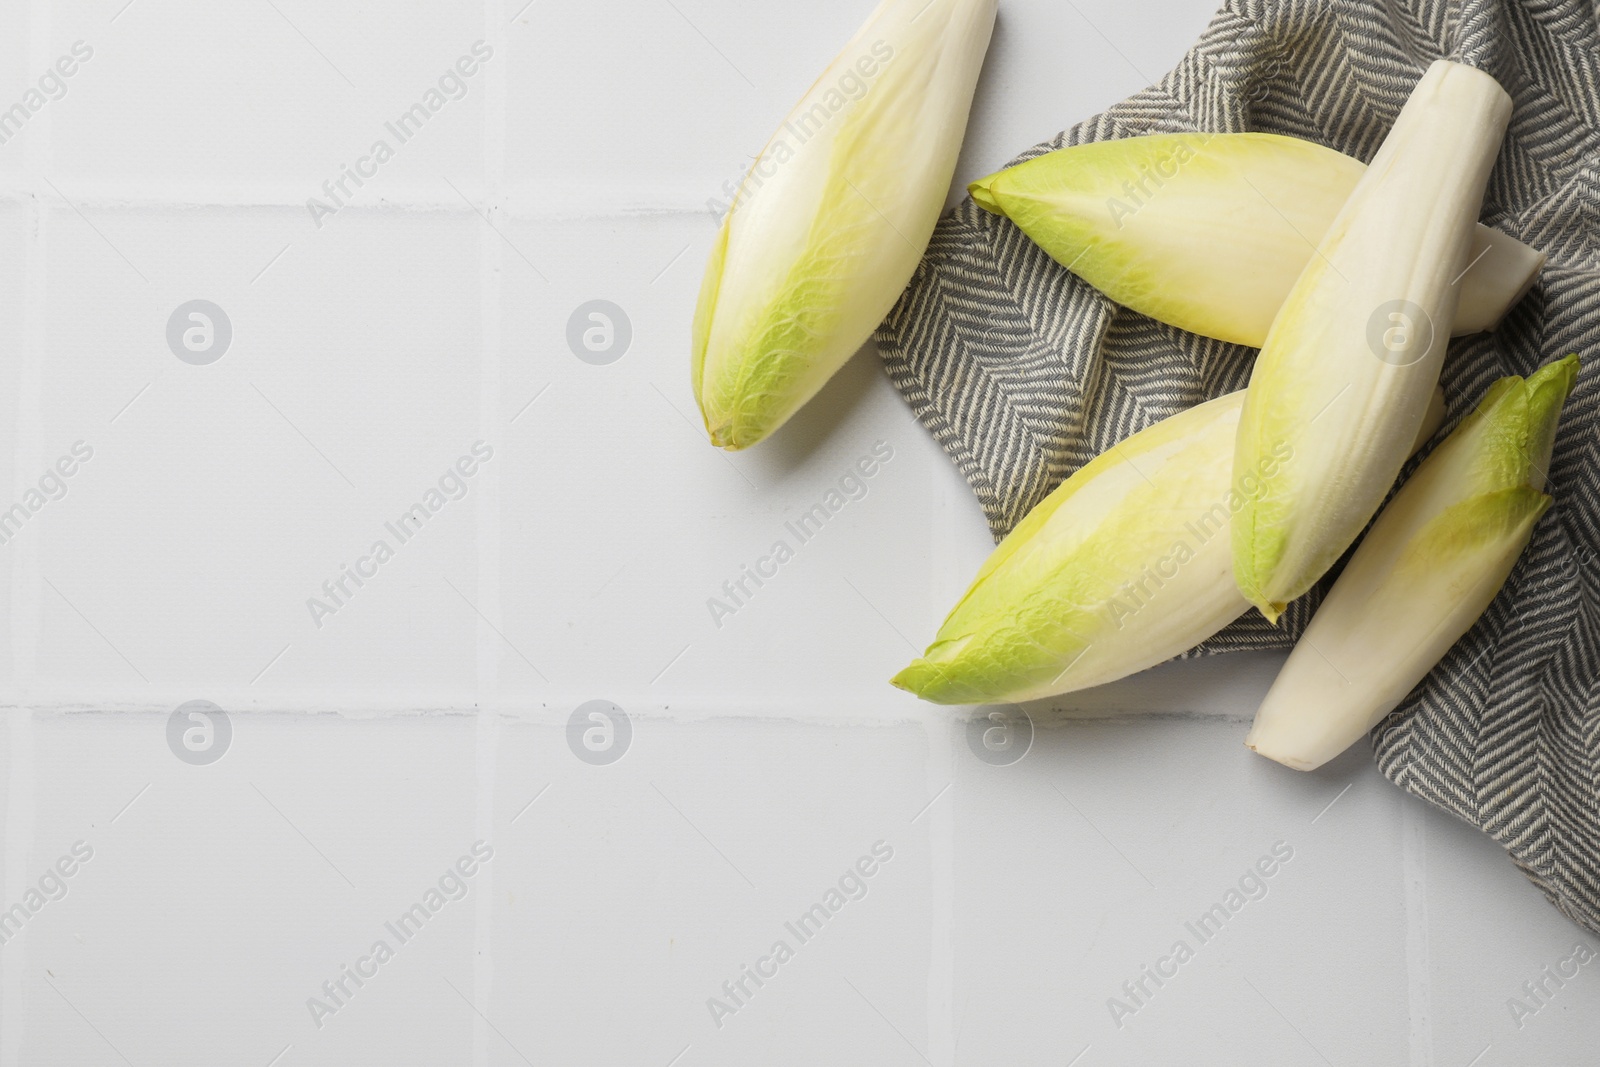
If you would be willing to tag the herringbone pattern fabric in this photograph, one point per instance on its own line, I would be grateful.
(1023, 372)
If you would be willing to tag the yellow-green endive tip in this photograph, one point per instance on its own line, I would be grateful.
(1430, 565)
(834, 215)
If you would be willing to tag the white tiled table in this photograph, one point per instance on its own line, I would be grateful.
(429, 711)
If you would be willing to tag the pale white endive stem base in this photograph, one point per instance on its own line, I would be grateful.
(1368, 646)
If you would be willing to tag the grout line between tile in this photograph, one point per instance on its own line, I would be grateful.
(1419, 978)
(16, 854)
(27, 587)
(941, 829)
(491, 282)
(521, 201)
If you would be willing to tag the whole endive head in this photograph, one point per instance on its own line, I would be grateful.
(1209, 231)
(1123, 565)
(828, 225)
(1354, 353)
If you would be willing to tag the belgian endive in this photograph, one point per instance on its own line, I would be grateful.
(1343, 380)
(833, 217)
(1428, 568)
(1124, 565)
(1209, 231)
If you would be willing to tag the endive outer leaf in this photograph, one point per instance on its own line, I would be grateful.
(1209, 231)
(1431, 565)
(1123, 566)
(1348, 365)
(835, 214)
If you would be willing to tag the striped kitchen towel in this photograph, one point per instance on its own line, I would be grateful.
(1023, 372)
